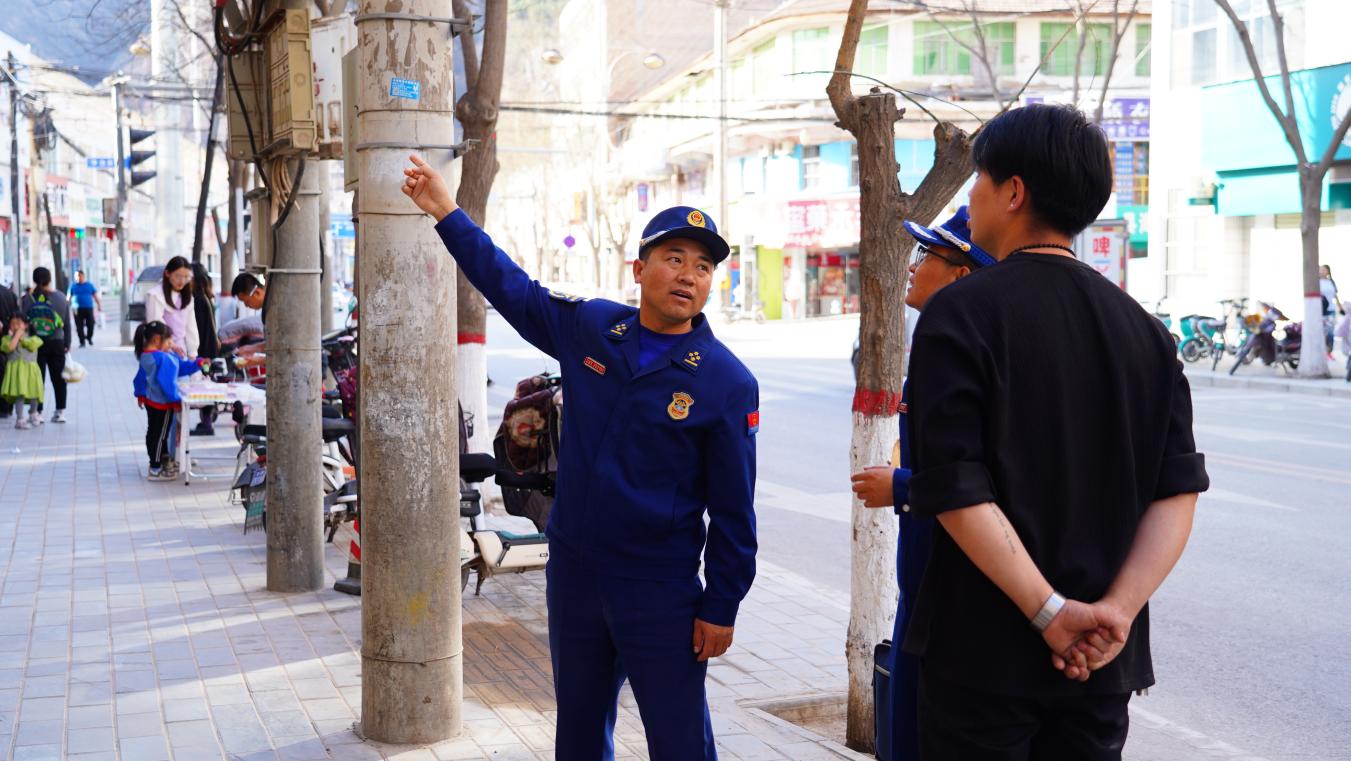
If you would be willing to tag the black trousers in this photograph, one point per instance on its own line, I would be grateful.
(959, 723)
(158, 429)
(84, 324)
(52, 360)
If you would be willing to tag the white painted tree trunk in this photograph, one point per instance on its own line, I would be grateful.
(473, 375)
(872, 563)
(1313, 355)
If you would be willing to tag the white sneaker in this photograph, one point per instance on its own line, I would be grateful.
(59, 417)
(35, 419)
(23, 424)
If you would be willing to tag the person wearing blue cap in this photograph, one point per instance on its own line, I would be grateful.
(944, 255)
(660, 430)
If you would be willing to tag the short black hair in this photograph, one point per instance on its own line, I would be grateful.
(42, 277)
(1061, 157)
(244, 283)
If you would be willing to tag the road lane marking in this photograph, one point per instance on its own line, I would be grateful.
(1212, 747)
(1223, 495)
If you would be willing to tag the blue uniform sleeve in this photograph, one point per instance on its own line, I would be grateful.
(188, 368)
(138, 383)
(542, 317)
(729, 557)
(166, 374)
(900, 488)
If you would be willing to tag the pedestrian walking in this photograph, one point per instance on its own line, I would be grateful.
(156, 390)
(660, 430)
(171, 304)
(48, 315)
(9, 307)
(208, 346)
(1061, 467)
(945, 254)
(86, 297)
(1327, 288)
(22, 379)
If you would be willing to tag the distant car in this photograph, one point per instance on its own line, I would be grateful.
(149, 278)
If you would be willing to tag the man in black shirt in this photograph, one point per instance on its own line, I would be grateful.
(1051, 432)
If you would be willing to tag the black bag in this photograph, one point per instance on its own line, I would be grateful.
(882, 700)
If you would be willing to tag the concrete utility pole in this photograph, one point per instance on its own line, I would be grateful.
(169, 124)
(295, 531)
(16, 226)
(720, 144)
(325, 220)
(412, 648)
(125, 282)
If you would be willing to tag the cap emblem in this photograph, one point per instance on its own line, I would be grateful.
(695, 218)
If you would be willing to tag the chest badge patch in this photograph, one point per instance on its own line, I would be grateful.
(597, 367)
(679, 408)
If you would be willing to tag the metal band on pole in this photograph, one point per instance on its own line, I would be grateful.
(457, 25)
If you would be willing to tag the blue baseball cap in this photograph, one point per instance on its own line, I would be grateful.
(685, 222)
(954, 233)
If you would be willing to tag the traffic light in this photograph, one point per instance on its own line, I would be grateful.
(138, 157)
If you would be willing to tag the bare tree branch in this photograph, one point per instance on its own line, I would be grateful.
(1047, 56)
(468, 46)
(1118, 33)
(981, 52)
(839, 89)
(1285, 120)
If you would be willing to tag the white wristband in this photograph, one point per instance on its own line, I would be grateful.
(1048, 611)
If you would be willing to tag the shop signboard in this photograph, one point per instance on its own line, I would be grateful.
(1103, 247)
(823, 223)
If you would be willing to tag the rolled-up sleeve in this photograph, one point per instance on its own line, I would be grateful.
(947, 396)
(1183, 470)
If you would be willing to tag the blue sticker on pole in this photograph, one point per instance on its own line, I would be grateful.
(407, 89)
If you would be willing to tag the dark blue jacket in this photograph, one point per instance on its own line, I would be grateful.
(166, 368)
(645, 451)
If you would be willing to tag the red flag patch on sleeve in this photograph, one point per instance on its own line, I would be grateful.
(752, 422)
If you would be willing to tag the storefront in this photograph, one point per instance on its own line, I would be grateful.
(820, 258)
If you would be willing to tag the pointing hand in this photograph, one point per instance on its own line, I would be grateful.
(427, 189)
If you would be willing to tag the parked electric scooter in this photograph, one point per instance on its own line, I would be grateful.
(1264, 344)
(525, 465)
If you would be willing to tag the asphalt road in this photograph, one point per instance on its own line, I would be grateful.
(1248, 631)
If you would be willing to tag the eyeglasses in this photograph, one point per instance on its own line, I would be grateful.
(925, 252)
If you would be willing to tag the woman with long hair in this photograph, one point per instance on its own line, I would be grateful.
(204, 307)
(171, 304)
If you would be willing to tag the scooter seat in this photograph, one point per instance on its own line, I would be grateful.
(336, 428)
(1214, 324)
(476, 467)
(510, 538)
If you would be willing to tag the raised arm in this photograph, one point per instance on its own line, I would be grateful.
(543, 317)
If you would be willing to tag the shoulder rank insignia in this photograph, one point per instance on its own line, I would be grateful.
(679, 408)
(559, 296)
(620, 329)
(693, 359)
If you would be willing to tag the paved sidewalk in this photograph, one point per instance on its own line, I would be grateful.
(1262, 378)
(134, 624)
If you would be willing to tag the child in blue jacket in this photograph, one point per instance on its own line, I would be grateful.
(156, 389)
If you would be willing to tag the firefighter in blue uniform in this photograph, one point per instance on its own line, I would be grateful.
(945, 254)
(659, 429)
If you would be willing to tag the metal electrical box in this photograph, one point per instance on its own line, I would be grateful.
(332, 39)
(290, 72)
(248, 71)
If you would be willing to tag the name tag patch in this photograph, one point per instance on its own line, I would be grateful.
(594, 365)
(752, 423)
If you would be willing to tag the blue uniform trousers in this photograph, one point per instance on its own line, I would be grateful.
(604, 629)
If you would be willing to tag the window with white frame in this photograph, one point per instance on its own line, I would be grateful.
(1214, 50)
(811, 166)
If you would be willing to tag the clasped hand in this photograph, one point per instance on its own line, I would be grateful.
(1085, 637)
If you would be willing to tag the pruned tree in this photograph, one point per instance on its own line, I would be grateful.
(477, 112)
(884, 255)
(1312, 360)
